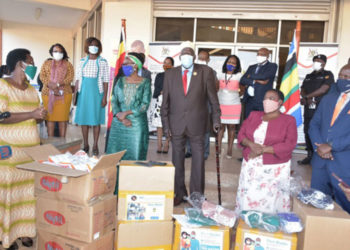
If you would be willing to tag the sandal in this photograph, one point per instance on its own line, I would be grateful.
(27, 242)
(95, 151)
(86, 149)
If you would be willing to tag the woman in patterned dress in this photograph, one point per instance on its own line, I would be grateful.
(17, 202)
(268, 139)
(92, 86)
(57, 75)
(130, 100)
(230, 102)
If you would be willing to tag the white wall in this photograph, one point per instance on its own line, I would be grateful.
(344, 34)
(37, 39)
(138, 15)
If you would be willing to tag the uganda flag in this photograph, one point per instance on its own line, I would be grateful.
(290, 84)
(118, 65)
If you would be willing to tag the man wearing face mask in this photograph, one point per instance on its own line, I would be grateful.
(330, 136)
(203, 59)
(258, 79)
(186, 92)
(314, 87)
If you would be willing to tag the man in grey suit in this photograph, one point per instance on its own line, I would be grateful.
(186, 92)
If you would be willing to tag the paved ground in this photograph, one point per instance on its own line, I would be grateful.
(230, 169)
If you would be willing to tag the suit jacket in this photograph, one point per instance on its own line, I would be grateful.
(281, 134)
(338, 136)
(266, 72)
(180, 112)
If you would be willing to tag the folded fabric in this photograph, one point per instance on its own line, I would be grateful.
(256, 219)
(290, 223)
(316, 198)
(219, 214)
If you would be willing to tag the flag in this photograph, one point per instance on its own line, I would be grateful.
(118, 65)
(290, 84)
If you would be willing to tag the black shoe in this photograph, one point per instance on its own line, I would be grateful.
(14, 246)
(178, 201)
(305, 161)
(27, 242)
(86, 149)
(188, 155)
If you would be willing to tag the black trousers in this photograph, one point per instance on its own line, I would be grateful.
(308, 114)
(197, 178)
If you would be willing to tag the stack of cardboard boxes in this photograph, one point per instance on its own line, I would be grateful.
(74, 209)
(145, 206)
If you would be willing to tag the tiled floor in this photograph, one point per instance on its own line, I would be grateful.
(229, 168)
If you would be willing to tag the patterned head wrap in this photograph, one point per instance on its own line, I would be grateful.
(136, 61)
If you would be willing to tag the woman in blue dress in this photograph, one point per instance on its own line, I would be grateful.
(130, 100)
(92, 86)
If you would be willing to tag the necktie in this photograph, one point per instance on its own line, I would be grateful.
(338, 107)
(184, 81)
(257, 68)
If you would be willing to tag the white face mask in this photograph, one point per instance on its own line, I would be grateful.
(186, 61)
(57, 56)
(93, 49)
(317, 66)
(261, 59)
(201, 62)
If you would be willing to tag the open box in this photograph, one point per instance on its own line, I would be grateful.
(68, 184)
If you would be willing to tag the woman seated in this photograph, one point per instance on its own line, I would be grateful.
(268, 139)
(130, 100)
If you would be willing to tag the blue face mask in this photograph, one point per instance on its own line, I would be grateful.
(230, 67)
(343, 85)
(128, 70)
(186, 61)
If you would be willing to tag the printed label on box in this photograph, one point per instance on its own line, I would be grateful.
(259, 242)
(54, 218)
(51, 245)
(201, 239)
(145, 207)
(50, 183)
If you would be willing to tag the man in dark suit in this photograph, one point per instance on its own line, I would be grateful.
(258, 79)
(186, 92)
(330, 136)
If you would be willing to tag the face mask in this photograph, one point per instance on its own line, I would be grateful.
(270, 105)
(201, 62)
(343, 85)
(186, 61)
(230, 67)
(317, 66)
(30, 71)
(57, 56)
(93, 50)
(166, 67)
(128, 70)
(261, 59)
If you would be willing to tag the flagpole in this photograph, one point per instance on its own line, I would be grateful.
(297, 37)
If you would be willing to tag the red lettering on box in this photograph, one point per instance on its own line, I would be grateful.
(50, 183)
(51, 245)
(54, 218)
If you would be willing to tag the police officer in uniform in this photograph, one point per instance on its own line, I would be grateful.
(314, 87)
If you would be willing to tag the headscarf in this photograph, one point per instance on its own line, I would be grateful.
(136, 60)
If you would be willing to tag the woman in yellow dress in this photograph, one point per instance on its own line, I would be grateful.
(57, 75)
(17, 202)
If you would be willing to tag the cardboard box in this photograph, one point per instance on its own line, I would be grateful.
(48, 241)
(71, 185)
(156, 235)
(247, 237)
(323, 229)
(78, 222)
(145, 193)
(213, 237)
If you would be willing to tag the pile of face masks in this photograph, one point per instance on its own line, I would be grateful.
(79, 161)
(316, 198)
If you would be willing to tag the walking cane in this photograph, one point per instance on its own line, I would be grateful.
(218, 167)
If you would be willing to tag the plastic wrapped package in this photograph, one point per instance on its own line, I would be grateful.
(256, 219)
(290, 223)
(195, 215)
(316, 198)
(296, 185)
(219, 214)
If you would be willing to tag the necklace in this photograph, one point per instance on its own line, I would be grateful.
(227, 80)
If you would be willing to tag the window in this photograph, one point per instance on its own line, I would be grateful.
(257, 31)
(174, 29)
(310, 31)
(215, 30)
